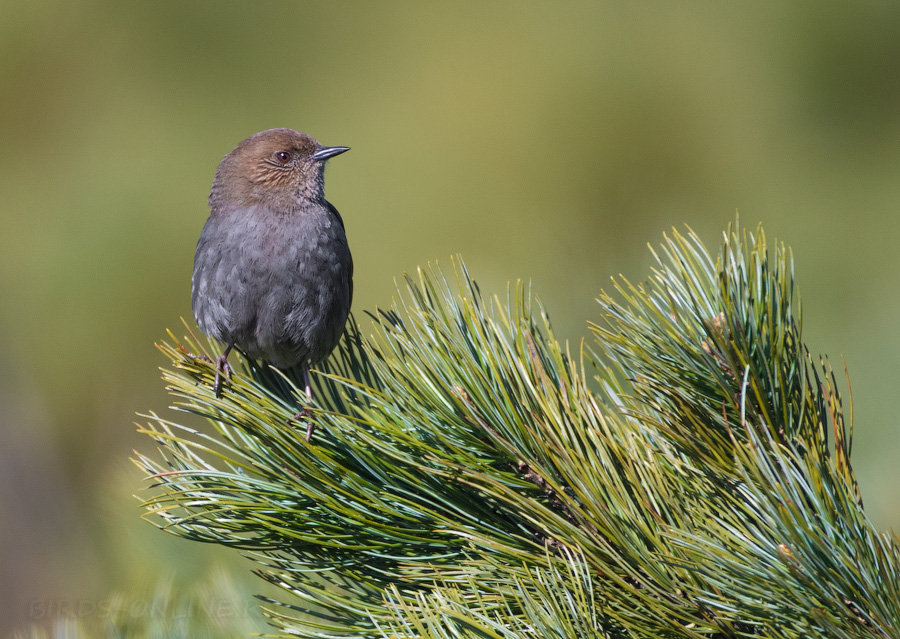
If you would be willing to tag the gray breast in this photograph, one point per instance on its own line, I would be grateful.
(278, 286)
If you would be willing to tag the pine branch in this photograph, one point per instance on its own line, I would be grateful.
(469, 479)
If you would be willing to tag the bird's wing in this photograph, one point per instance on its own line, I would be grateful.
(340, 220)
(350, 277)
(336, 214)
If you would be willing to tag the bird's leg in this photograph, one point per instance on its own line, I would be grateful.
(305, 415)
(222, 368)
(309, 422)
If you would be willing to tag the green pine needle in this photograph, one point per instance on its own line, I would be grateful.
(467, 478)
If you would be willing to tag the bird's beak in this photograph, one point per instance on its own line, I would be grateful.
(327, 152)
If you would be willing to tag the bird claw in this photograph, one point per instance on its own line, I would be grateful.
(222, 368)
(304, 416)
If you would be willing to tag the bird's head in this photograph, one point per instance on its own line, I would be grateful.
(279, 167)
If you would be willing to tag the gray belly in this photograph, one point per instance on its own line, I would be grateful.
(279, 294)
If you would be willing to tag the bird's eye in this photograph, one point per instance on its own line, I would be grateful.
(283, 156)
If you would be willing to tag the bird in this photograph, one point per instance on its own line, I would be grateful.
(273, 273)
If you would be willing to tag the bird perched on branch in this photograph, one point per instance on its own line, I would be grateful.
(273, 275)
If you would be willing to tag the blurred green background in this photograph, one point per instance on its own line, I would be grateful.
(545, 141)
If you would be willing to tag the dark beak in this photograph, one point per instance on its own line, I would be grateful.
(327, 152)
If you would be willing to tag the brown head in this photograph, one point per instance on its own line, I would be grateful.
(281, 168)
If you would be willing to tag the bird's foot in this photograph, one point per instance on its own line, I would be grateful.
(304, 416)
(223, 369)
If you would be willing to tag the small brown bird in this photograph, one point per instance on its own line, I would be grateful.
(273, 275)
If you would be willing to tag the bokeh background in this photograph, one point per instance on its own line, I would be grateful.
(543, 141)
